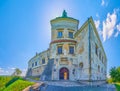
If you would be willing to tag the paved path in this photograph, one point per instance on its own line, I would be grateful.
(75, 86)
(72, 86)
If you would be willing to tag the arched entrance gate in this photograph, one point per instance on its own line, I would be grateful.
(64, 74)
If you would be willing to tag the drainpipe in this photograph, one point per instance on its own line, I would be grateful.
(89, 48)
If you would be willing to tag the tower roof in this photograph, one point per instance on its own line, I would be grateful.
(64, 14)
(64, 17)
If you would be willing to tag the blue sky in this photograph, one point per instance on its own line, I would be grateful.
(25, 28)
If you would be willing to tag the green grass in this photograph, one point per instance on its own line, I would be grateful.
(3, 81)
(34, 78)
(117, 85)
(18, 85)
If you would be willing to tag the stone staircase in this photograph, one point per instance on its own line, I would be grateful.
(47, 73)
(29, 72)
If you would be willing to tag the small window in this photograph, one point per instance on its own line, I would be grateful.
(59, 49)
(35, 63)
(71, 49)
(32, 64)
(102, 59)
(43, 61)
(98, 68)
(60, 34)
(70, 34)
(99, 55)
(96, 49)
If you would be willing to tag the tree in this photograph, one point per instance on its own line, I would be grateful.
(17, 72)
(115, 74)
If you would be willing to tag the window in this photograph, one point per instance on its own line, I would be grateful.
(32, 64)
(98, 68)
(102, 59)
(70, 34)
(96, 49)
(60, 34)
(59, 49)
(99, 55)
(43, 61)
(71, 49)
(35, 63)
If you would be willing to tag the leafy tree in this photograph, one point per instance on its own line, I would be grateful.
(115, 74)
(17, 72)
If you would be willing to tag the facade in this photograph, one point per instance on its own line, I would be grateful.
(73, 54)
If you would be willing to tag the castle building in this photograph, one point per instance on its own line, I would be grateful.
(73, 54)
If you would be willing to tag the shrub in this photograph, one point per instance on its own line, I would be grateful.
(12, 80)
(3, 81)
(18, 85)
(115, 74)
(109, 80)
(117, 85)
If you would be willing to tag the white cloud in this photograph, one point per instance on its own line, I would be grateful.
(1, 70)
(118, 30)
(118, 27)
(116, 34)
(4, 72)
(10, 70)
(97, 15)
(103, 3)
(97, 23)
(109, 25)
(13, 68)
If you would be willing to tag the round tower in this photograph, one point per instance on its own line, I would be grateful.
(62, 35)
(62, 46)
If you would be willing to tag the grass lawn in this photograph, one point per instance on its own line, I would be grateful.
(35, 78)
(18, 85)
(4, 80)
(117, 85)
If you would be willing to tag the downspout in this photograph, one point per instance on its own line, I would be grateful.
(89, 48)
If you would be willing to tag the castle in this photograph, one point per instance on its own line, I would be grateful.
(73, 54)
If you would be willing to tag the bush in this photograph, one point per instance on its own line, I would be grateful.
(109, 80)
(115, 74)
(117, 85)
(12, 80)
(18, 85)
(3, 81)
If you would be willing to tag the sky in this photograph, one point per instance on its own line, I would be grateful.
(25, 28)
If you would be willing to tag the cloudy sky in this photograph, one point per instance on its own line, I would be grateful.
(25, 28)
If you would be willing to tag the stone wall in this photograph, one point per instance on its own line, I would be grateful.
(82, 54)
(38, 68)
(99, 60)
